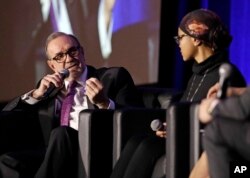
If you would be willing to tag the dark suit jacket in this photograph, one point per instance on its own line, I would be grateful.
(118, 86)
(234, 107)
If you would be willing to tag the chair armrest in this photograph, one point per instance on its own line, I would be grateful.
(195, 135)
(132, 121)
(96, 128)
(182, 148)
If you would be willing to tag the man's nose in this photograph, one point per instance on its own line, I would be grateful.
(69, 58)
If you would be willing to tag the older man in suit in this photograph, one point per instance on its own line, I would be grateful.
(103, 88)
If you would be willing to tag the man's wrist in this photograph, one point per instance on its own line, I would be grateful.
(28, 98)
(35, 95)
(104, 104)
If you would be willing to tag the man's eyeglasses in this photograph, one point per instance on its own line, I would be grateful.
(72, 52)
(178, 38)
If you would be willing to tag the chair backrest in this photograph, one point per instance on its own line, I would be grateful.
(129, 122)
(155, 97)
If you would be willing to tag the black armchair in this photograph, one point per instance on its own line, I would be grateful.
(116, 127)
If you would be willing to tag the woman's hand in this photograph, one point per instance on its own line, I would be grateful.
(162, 133)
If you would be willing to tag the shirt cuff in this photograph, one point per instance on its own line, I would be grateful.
(29, 99)
(111, 104)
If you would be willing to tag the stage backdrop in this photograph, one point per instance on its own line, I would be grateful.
(235, 13)
(240, 27)
(113, 33)
(128, 36)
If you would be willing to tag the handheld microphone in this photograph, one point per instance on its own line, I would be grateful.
(225, 71)
(156, 125)
(64, 74)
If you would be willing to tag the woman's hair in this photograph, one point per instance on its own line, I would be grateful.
(206, 26)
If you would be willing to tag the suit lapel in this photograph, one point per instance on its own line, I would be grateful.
(92, 72)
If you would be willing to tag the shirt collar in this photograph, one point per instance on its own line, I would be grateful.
(81, 80)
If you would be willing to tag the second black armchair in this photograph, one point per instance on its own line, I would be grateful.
(114, 128)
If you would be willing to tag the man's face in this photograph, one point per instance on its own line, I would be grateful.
(64, 53)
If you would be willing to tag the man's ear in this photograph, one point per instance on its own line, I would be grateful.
(50, 64)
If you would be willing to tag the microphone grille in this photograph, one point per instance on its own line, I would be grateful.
(225, 70)
(64, 73)
(156, 125)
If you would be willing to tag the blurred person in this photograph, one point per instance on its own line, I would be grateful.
(226, 139)
(103, 88)
(105, 26)
(200, 169)
(111, 30)
(202, 37)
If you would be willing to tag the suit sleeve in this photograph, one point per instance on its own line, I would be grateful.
(237, 108)
(126, 91)
(18, 104)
